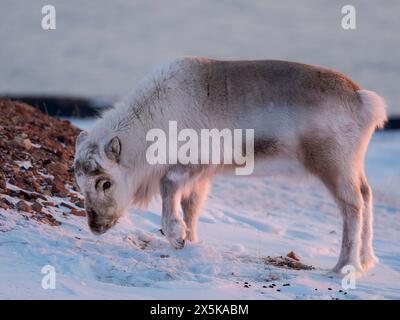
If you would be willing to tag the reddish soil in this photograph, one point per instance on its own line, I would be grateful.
(36, 155)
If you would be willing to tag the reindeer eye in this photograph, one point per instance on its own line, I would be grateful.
(106, 185)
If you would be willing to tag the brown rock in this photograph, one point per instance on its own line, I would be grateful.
(23, 206)
(4, 204)
(59, 188)
(2, 183)
(66, 205)
(21, 184)
(16, 170)
(23, 142)
(79, 213)
(63, 193)
(36, 206)
(80, 204)
(36, 186)
(48, 203)
(58, 168)
(293, 256)
(48, 219)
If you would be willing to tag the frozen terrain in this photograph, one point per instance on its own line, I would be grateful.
(245, 220)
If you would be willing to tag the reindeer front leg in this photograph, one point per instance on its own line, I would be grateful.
(173, 227)
(192, 204)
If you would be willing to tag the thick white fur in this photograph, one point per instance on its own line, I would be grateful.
(375, 107)
(160, 98)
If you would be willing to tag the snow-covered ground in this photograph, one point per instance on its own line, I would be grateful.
(245, 220)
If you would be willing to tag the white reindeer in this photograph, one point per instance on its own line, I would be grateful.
(314, 116)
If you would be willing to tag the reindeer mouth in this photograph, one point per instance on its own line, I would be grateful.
(98, 228)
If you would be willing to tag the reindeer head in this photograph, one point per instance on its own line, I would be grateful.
(103, 180)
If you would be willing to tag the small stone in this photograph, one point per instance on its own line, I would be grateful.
(49, 219)
(59, 188)
(79, 213)
(293, 256)
(58, 168)
(3, 183)
(27, 144)
(37, 207)
(23, 206)
(16, 170)
(36, 186)
(63, 193)
(80, 204)
(66, 205)
(4, 204)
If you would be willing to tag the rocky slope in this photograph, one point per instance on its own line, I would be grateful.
(36, 156)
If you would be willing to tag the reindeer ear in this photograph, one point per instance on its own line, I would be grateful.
(81, 137)
(113, 149)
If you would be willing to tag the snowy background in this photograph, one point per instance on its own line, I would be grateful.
(104, 48)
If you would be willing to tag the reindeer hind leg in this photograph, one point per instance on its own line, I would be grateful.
(368, 258)
(326, 159)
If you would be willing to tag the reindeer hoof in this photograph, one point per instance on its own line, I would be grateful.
(175, 232)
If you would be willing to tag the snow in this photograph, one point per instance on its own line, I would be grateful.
(244, 221)
(82, 123)
(24, 164)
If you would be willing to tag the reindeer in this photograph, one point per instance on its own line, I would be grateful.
(312, 116)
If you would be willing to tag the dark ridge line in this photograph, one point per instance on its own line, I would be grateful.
(64, 106)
